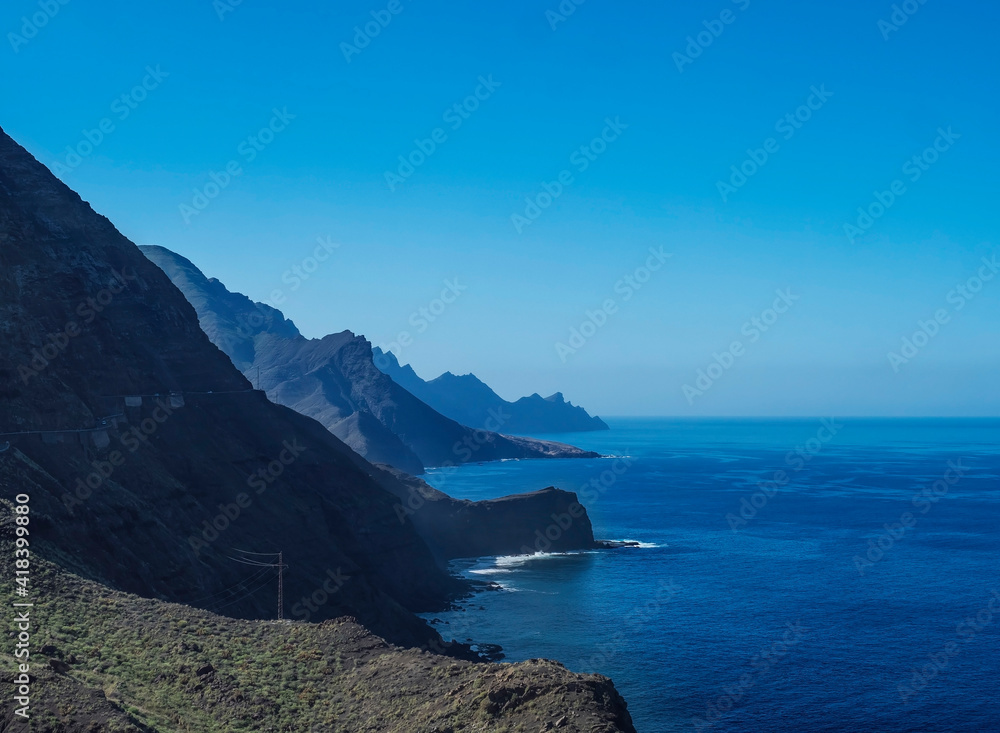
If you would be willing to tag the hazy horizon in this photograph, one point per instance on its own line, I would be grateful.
(535, 88)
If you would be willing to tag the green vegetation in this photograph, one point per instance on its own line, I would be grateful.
(109, 661)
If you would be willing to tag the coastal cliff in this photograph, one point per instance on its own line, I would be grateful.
(149, 457)
(335, 380)
(549, 520)
(109, 661)
(152, 466)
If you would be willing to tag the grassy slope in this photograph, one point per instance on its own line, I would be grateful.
(134, 663)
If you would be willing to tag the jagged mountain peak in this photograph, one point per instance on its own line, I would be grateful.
(335, 379)
(471, 401)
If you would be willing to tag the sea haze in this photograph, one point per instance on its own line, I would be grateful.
(807, 574)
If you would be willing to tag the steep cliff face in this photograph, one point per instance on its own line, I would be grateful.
(231, 321)
(470, 401)
(334, 379)
(155, 494)
(550, 520)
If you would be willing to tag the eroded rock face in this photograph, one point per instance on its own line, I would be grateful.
(153, 494)
(335, 380)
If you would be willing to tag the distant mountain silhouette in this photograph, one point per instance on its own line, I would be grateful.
(334, 379)
(468, 400)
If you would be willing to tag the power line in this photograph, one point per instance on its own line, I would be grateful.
(247, 552)
(245, 595)
(251, 562)
(280, 565)
(236, 587)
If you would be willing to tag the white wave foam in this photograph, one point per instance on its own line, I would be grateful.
(516, 560)
(640, 545)
(507, 564)
(491, 571)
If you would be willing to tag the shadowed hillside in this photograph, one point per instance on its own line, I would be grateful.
(110, 661)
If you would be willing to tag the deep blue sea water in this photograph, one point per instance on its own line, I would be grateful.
(778, 623)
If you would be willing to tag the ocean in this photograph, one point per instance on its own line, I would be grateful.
(793, 575)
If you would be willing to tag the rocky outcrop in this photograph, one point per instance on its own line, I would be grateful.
(334, 379)
(467, 399)
(550, 520)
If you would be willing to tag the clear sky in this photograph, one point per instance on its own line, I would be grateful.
(676, 110)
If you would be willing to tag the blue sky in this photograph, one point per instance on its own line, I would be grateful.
(670, 137)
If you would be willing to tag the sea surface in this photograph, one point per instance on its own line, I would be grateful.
(794, 575)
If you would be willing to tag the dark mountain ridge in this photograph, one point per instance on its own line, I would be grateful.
(124, 481)
(334, 380)
(139, 441)
(470, 401)
(152, 467)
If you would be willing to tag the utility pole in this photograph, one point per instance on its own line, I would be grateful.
(280, 564)
(281, 588)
